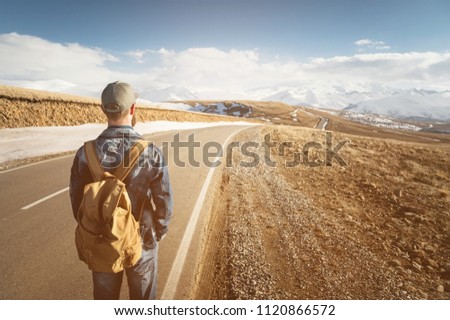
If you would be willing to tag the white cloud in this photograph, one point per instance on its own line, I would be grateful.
(138, 55)
(213, 69)
(363, 42)
(370, 44)
(24, 57)
(34, 62)
(416, 67)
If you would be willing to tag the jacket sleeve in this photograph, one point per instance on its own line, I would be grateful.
(77, 182)
(161, 191)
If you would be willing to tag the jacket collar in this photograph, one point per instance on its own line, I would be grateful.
(119, 132)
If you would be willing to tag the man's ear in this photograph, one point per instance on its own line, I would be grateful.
(133, 115)
(132, 109)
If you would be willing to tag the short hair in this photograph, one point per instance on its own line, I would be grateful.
(115, 115)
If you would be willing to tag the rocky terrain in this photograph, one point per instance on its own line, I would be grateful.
(378, 228)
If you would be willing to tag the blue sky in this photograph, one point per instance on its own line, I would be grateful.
(138, 36)
(285, 27)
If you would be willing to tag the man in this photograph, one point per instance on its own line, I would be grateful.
(147, 182)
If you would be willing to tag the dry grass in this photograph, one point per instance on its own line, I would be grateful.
(276, 112)
(26, 108)
(339, 124)
(31, 95)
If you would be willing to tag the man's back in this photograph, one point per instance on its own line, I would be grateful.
(147, 185)
(148, 181)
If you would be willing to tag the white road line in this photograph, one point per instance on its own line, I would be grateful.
(324, 127)
(44, 199)
(36, 163)
(170, 287)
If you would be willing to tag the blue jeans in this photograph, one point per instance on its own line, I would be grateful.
(141, 278)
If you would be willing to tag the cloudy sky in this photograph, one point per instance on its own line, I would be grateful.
(223, 45)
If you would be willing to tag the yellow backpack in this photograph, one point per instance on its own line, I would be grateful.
(107, 236)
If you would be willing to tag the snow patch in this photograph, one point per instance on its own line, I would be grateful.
(20, 143)
(408, 104)
(228, 109)
(380, 121)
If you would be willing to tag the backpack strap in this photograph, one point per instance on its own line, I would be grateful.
(133, 154)
(121, 172)
(93, 161)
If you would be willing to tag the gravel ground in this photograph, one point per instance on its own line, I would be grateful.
(377, 228)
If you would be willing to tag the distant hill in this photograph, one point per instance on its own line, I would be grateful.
(411, 104)
(173, 93)
(372, 99)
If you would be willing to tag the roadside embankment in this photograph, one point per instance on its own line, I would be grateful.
(32, 108)
(377, 228)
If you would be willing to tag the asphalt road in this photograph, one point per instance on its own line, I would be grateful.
(323, 122)
(38, 257)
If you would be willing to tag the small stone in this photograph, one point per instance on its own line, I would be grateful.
(416, 266)
(417, 260)
(422, 294)
(440, 288)
(370, 185)
(418, 253)
(447, 266)
(432, 263)
(409, 214)
(395, 263)
(447, 286)
(409, 288)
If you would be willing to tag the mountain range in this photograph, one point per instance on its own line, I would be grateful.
(363, 98)
(172, 93)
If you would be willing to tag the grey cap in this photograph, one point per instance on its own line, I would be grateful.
(118, 96)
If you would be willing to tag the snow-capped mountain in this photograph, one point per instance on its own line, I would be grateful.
(362, 98)
(408, 104)
(330, 95)
(173, 93)
(365, 98)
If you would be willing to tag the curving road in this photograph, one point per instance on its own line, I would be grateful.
(322, 124)
(38, 258)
